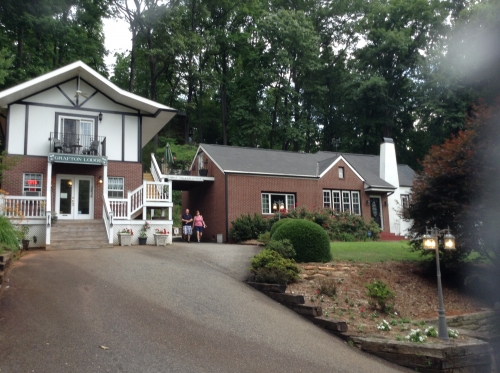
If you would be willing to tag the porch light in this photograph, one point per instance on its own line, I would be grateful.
(100, 179)
(100, 117)
(281, 207)
(70, 183)
(430, 240)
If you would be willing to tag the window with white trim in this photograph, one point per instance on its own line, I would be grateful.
(344, 200)
(356, 203)
(405, 201)
(341, 172)
(326, 199)
(116, 186)
(32, 184)
(269, 199)
(75, 132)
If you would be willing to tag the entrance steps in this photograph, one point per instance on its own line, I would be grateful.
(78, 234)
(147, 176)
(386, 236)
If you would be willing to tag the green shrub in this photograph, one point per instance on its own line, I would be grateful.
(380, 292)
(264, 237)
(328, 287)
(9, 235)
(309, 240)
(346, 237)
(282, 247)
(246, 228)
(270, 267)
(278, 224)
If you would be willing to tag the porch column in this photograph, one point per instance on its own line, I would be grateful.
(48, 204)
(105, 180)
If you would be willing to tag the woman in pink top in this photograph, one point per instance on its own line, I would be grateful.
(198, 225)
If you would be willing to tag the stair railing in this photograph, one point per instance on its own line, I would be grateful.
(155, 170)
(107, 215)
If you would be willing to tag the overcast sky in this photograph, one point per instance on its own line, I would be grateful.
(117, 39)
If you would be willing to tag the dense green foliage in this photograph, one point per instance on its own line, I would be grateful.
(342, 226)
(9, 235)
(457, 188)
(270, 267)
(246, 228)
(380, 292)
(278, 224)
(283, 75)
(282, 247)
(309, 240)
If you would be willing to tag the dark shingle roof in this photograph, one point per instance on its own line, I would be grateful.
(285, 163)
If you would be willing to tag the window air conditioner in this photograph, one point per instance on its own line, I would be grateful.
(32, 194)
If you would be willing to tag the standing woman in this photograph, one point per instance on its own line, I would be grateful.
(198, 225)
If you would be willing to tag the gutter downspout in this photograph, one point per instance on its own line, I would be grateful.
(227, 208)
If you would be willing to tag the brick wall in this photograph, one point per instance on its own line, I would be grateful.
(244, 195)
(12, 180)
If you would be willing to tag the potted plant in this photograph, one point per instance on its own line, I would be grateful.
(143, 236)
(125, 237)
(24, 230)
(161, 237)
(53, 218)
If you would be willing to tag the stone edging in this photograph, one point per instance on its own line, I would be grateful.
(471, 356)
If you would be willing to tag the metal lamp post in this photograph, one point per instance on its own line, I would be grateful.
(431, 242)
(278, 205)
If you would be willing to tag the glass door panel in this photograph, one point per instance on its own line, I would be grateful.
(65, 198)
(83, 197)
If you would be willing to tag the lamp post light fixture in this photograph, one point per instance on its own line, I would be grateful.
(278, 205)
(430, 241)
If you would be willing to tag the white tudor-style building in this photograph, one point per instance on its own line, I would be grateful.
(75, 140)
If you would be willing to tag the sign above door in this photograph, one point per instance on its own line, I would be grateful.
(78, 159)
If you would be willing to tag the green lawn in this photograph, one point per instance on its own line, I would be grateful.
(372, 251)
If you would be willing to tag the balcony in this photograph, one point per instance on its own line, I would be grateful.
(72, 143)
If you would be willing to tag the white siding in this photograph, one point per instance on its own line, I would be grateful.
(131, 139)
(52, 97)
(40, 126)
(101, 102)
(111, 128)
(16, 129)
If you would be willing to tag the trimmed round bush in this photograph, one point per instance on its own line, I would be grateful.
(309, 240)
(278, 224)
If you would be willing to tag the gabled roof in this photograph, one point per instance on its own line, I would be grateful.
(155, 115)
(231, 159)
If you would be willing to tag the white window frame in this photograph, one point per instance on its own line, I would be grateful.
(405, 200)
(32, 190)
(346, 193)
(327, 199)
(356, 206)
(111, 183)
(336, 201)
(341, 172)
(342, 200)
(267, 198)
(83, 137)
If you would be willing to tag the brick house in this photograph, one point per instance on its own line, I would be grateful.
(76, 141)
(252, 180)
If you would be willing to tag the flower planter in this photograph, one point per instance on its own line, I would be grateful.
(203, 172)
(161, 239)
(124, 239)
(143, 240)
(26, 244)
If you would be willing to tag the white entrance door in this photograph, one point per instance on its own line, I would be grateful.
(75, 197)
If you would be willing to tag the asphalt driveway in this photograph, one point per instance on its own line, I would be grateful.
(180, 308)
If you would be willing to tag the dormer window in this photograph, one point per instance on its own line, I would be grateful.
(341, 172)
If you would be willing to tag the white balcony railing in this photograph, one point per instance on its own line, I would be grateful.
(24, 207)
(150, 194)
